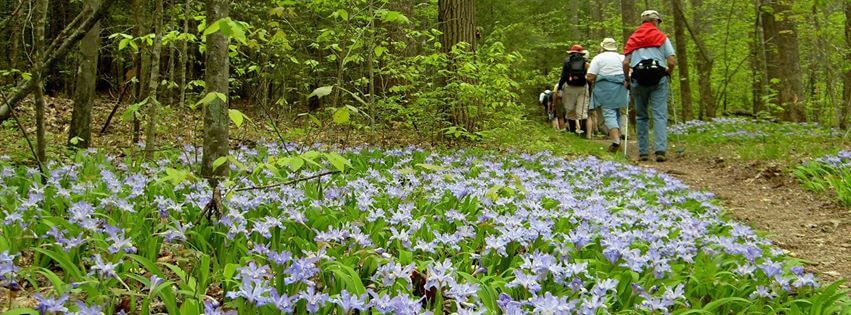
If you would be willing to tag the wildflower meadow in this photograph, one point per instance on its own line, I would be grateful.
(320, 230)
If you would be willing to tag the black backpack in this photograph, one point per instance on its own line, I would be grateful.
(575, 65)
(649, 72)
(548, 98)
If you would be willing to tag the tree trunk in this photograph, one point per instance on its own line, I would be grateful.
(629, 19)
(846, 88)
(80, 133)
(144, 63)
(705, 61)
(216, 111)
(153, 104)
(457, 22)
(597, 29)
(757, 65)
(40, 21)
(184, 53)
(15, 26)
(784, 68)
(682, 59)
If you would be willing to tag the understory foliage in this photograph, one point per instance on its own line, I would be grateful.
(831, 173)
(398, 231)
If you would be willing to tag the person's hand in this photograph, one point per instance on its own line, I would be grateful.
(626, 84)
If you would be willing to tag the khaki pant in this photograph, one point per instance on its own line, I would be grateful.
(575, 101)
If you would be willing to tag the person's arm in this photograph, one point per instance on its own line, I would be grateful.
(591, 78)
(565, 72)
(626, 70)
(672, 64)
(670, 55)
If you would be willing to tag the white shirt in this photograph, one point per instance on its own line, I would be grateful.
(607, 63)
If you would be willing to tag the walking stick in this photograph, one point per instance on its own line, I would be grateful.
(626, 127)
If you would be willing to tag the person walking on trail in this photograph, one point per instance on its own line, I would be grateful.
(607, 79)
(546, 101)
(651, 59)
(573, 89)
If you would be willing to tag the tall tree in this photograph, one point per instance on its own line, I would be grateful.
(783, 62)
(39, 40)
(15, 28)
(846, 88)
(457, 22)
(143, 61)
(682, 58)
(758, 66)
(184, 54)
(629, 18)
(80, 133)
(705, 60)
(153, 103)
(216, 110)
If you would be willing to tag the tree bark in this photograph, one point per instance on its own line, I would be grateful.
(457, 22)
(40, 22)
(15, 39)
(783, 65)
(705, 61)
(682, 59)
(629, 18)
(84, 93)
(184, 54)
(153, 103)
(846, 88)
(757, 64)
(143, 63)
(216, 112)
(597, 30)
(57, 50)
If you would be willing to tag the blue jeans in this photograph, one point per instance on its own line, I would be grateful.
(654, 99)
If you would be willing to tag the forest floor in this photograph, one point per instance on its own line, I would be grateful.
(812, 227)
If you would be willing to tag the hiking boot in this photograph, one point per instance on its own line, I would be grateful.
(614, 147)
(644, 158)
(660, 156)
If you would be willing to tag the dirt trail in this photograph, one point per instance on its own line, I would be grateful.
(809, 226)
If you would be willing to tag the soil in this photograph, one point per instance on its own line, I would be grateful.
(809, 226)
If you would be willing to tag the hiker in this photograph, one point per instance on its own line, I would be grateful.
(546, 101)
(606, 78)
(651, 59)
(573, 89)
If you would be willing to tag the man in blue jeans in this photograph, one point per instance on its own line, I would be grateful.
(650, 61)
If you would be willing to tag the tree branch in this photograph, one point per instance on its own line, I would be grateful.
(294, 181)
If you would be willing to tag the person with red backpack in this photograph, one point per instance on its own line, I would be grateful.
(573, 90)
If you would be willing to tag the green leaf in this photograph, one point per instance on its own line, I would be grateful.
(321, 92)
(236, 116)
(75, 140)
(219, 162)
(342, 14)
(380, 50)
(295, 163)
(210, 97)
(337, 161)
(21, 311)
(341, 116)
